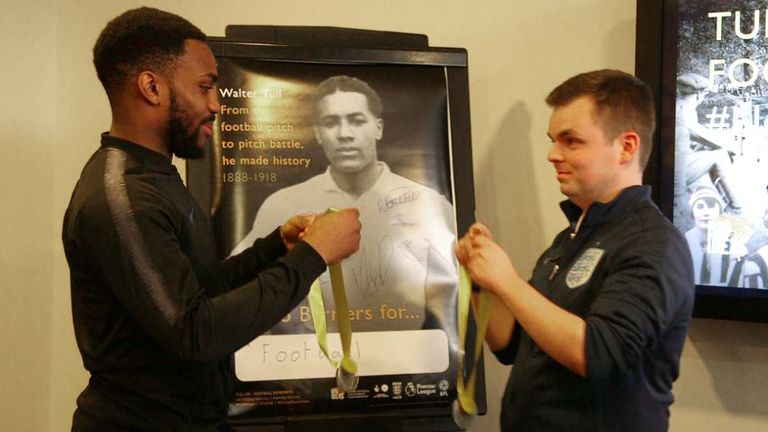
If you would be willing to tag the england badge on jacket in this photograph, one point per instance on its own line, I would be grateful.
(583, 268)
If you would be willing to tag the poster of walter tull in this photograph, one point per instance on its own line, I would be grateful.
(300, 138)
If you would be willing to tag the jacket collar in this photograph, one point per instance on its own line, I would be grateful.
(149, 158)
(600, 212)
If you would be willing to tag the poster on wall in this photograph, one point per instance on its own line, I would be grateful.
(721, 140)
(302, 137)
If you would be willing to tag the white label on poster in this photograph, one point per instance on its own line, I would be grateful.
(284, 357)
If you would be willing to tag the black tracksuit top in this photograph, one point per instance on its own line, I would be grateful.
(627, 272)
(156, 315)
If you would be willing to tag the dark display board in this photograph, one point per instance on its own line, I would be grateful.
(273, 157)
(706, 61)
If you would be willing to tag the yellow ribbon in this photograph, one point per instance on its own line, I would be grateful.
(346, 370)
(466, 389)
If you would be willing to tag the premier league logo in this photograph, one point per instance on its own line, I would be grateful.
(583, 268)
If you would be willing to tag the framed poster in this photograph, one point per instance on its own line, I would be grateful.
(303, 129)
(706, 60)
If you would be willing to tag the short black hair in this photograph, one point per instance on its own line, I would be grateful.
(622, 103)
(140, 39)
(347, 84)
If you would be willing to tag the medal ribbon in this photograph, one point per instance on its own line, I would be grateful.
(466, 389)
(347, 366)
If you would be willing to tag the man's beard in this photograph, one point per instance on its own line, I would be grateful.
(182, 144)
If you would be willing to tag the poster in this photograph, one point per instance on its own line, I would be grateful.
(281, 150)
(721, 140)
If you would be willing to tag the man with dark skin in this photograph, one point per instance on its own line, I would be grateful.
(402, 246)
(156, 315)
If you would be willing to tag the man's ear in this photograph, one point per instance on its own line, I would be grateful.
(148, 84)
(630, 146)
(379, 129)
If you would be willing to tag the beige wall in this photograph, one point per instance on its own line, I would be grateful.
(28, 222)
(54, 109)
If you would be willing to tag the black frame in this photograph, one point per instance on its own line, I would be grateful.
(353, 46)
(656, 65)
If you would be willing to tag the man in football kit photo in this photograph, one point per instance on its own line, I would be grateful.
(404, 270)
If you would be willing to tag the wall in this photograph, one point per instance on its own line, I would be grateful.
(28, 221)
(54, 109)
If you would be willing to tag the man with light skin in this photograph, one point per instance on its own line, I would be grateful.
(156, 316)
(596, 333)
(404, 273)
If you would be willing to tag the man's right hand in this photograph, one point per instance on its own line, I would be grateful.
(335, 235)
